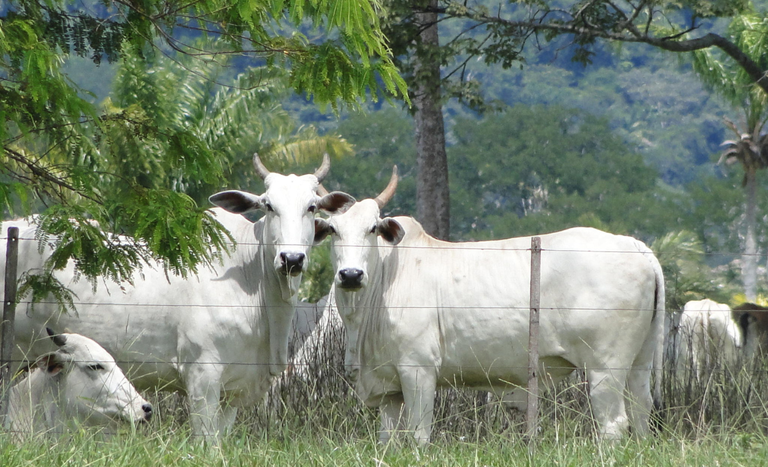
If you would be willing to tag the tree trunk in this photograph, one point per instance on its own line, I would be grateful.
(432, 195)
(749, 258)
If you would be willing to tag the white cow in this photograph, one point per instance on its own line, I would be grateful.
(706, 332)
(421, 313)
(80, 384)
(220, 335)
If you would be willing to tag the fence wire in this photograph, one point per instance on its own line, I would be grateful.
(686, 374)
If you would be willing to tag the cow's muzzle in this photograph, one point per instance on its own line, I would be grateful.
(292, 264)
(352, 374)
(147, 409)
(350, 278)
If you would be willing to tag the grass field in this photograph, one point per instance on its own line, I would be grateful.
(169, 446)
(721, 419)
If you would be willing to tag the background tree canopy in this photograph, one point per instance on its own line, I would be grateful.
(179, 112)
(142, 162)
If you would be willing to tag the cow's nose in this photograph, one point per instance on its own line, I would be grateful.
(351, 277)
(292, 262)
(147, 408)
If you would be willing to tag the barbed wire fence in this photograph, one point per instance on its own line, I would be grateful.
(727, 393)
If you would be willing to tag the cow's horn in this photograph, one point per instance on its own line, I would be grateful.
(260, 169)
(58, 339)
(321, 191)
(322, 171)
(389, 191)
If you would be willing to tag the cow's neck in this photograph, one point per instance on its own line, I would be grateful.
(35, 403)
(279, 292)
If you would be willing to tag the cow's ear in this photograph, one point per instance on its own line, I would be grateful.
(336, 202)
(58, 339)
(51, 363)
(390, 230)
(237, 202)
(322, 230)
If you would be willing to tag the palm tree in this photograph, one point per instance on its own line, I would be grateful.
(751, 151)
(195, 125)
(750, 148)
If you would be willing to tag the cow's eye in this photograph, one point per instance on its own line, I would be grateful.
(373, 229)
(269, 207)
(95, 367)
(312, 208)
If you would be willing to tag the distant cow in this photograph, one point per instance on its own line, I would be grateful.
(422, 313)
(753, 320)
(78, 383)
(707, 333)
(220, 335)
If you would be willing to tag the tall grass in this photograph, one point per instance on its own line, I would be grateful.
(312, 417)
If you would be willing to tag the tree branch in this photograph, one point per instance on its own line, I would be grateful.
(671, 44)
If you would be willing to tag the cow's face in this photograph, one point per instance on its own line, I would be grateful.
(354, 239)
(289, 205)
(92, 388)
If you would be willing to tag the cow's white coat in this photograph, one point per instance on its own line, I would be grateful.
(78, 384)
(707, 331)
(432, 313)
(221, 335)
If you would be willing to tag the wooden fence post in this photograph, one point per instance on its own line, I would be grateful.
(9, 318)
(532, 415)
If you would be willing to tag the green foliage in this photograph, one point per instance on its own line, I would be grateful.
(681, 255)
(749, 32)
(40, 286)
(157, 215)
(533, 170)
(381, 140)
(318, 278)
(144, 163)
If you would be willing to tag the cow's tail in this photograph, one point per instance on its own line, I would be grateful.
(659, 332)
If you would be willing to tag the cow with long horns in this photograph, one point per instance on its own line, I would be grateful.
(422, 313)
(220, 335)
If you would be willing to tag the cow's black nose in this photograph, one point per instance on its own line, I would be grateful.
(351, 278)
(147, 408)
(292, 262)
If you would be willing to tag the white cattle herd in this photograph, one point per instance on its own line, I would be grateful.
(419, 314)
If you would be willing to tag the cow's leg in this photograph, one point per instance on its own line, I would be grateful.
(517, 399)
(391, 413)
(203, 384)
(227, 418)
(419, 386)
(639, 401)
(606, 386)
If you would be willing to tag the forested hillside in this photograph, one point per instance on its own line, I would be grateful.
(629, 143)
(637, 101)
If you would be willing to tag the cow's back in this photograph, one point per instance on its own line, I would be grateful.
(464, 307)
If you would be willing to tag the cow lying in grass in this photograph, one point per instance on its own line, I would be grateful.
(78, 384)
